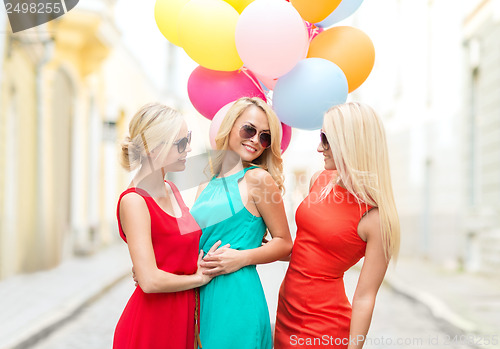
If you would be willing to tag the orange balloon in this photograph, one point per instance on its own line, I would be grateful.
(315, 11)
(349, 48)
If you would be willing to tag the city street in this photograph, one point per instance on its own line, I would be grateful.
(398, 321)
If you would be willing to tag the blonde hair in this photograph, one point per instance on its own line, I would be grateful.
(154, 124)
(270, 160)
(357, 139)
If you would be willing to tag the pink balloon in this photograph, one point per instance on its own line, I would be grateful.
(216, 122)
(286, 137)
(271, 37)
(312, 30)
(209, 90)
(267, 81)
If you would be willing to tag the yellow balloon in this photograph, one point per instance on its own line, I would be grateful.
(207, 34)
(167, 18)
(239, 5)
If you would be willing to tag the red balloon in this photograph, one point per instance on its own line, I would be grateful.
(210, 90)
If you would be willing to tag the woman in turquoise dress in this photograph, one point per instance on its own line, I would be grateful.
(237, 206)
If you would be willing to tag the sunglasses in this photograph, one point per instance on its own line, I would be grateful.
(248, 131)
(324, 141)
(183, 143)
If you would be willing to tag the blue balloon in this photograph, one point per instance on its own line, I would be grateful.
(304, 94)
(344, 10)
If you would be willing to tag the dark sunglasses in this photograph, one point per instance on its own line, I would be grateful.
(183, 143)
(248, 131)
(324, 141)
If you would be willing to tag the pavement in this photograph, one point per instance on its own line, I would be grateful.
(34, 305)
(470, 302)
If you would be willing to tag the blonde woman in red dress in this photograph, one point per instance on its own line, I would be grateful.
(161, 235)
(349, 214)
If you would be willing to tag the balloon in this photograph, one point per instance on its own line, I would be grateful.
(302, 96)
(315, 10)
(349, 48)
(216, 122)
(286, 136)
(269, 83)
(206, 32)
(239, 5)
(167, 18)
(209, 90)
(271, 37)
(344, 10)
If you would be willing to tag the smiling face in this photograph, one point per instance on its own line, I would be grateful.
(249, 149)
(328, 156)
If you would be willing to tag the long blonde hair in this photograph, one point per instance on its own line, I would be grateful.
(357, 139)
(270, 160)
(154, 124)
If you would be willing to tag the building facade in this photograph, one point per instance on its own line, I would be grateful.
(67, 89)
(482, 137)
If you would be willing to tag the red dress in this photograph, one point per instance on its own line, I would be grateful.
(163, 320)
(313, 310)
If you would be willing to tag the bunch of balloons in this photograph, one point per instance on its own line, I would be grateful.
(252, 47)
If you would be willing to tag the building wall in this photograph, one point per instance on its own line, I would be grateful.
(18, 133)
(482, 121)
(63, 107)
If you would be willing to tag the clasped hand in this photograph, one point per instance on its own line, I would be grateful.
(224, 260)
(217, 261)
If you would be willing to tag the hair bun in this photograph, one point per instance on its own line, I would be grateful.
(131, 154)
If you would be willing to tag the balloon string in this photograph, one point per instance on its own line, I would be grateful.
(256, 83)
(314, 31)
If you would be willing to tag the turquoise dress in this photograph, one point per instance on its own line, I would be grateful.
(233, 308)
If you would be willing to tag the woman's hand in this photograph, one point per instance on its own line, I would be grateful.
(200, 272)
(224, 261)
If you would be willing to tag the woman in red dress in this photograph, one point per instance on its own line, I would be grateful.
(161, 235)
(349, 214)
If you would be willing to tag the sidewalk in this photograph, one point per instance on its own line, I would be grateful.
(467, 301)
(33, 305)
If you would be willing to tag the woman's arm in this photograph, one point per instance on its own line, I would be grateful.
(136, 224)
(370, 279)
(269, 202)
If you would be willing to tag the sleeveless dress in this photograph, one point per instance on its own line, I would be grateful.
(233, 308)
(313, 309)
(162, 320)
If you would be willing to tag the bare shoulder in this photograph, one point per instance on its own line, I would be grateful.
(133, 202)
(369, 225)
(259, 178)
